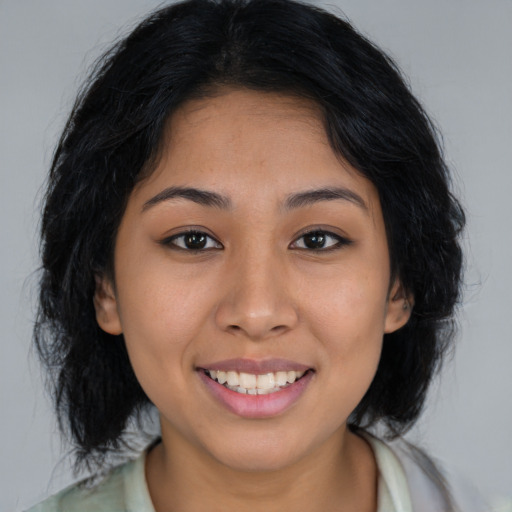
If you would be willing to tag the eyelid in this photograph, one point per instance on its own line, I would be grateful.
(343, 241)
(168, 241)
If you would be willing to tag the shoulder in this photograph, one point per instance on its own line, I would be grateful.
(106, 495)
(433, 486)
(122, 489)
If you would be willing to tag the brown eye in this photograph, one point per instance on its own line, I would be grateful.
(193, 241)
(320, 241)
(315, 240)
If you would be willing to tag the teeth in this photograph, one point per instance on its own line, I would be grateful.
(233, 379)
(247, 380)
(281, 378)
(266, 381)
(248, 383)
(291, 376)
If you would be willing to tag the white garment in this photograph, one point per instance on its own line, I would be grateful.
(411, 490)
(403, 487)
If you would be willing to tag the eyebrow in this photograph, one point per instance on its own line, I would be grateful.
(292, 202)
(202, 197)
(310, 197)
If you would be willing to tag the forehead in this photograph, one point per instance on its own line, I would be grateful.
(241, 103)
(242, 142)
(235, 121)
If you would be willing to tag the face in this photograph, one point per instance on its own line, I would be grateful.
(252, 282)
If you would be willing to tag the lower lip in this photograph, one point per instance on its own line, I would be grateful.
(257, 406)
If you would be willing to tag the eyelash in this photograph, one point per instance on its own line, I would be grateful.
(171, 241)
(339, 241)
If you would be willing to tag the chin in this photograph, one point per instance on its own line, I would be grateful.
(267, 454)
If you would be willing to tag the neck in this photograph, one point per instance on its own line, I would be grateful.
(340, 474)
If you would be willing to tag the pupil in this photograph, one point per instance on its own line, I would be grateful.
(195, 241)
(314, 240)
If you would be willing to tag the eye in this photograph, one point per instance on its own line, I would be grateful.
(319, 240)
(192, 241)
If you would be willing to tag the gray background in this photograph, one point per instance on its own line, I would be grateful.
(457, 55)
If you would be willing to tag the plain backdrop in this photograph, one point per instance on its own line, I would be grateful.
(457, 55)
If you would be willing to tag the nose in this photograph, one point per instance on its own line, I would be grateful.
(257, 302)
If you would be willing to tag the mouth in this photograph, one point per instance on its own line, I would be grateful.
(255, 384)
(256, 389)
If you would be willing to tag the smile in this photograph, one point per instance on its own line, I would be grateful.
(256, 389)
(251, 384)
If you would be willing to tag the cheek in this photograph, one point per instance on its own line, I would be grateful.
(160, 304)
(347, 307)
(347, 316)
(161, 315)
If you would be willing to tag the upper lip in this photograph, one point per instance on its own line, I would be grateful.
(254, 366)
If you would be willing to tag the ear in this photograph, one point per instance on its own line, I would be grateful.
(105, 304)
(399, 308)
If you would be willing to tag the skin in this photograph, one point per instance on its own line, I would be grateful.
(255, 292)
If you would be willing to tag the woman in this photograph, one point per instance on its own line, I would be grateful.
(249, 227)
